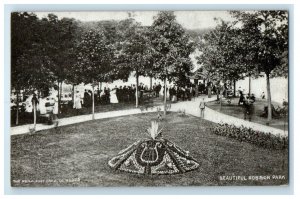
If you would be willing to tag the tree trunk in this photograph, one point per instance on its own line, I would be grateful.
(249, 84)
(209, 91)
(93, 103)
(221, 96)
(34, 114)
(59, 95)
(165, 96)
(99, 94)
(150, 83)
(17, 114)
(136, 90)
(73, 93)
(234, 88)
(269, 99)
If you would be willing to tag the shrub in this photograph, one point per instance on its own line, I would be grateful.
(244, 134)
(181, 113)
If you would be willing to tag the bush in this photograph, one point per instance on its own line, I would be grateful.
(259, 138)
(181, 113)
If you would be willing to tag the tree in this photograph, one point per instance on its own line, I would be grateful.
(133, 56)
(30, 61)
(266, 34)
(217, 63)
(172, 48)
(62, 37)
(94, 60)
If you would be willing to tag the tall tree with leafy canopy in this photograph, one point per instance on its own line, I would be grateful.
(30, 60)
(172, 47)
(94, 60)
(109, 29)
(221, 54)
(62, 35)
(133, 54)
(266, 34)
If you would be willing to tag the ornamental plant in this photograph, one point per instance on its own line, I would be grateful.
(153, 130)
(245, 134)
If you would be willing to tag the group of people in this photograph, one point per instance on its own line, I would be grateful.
(156, 89)
(121, 94)
(46, 106)
(126, 94)
(182, 93)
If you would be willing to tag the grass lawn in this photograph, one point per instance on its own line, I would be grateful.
(236, 110)
(77, 155)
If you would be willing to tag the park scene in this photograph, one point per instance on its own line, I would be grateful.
(149, 98)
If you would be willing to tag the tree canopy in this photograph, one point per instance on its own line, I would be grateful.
(266, 35)
(221, 54)
(172, 47)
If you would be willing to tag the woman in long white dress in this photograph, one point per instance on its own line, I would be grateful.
(55, 111)
(113, 97)
(77, 102)
(42, 106)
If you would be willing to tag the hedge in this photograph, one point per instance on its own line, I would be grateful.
(244, 134)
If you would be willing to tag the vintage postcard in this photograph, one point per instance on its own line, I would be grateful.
(149, 98)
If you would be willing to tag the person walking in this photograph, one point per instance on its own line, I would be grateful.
(263, 96)
(202, 107)
(34, 102)
(77, 104)
(241, 99)
(158, 88)
(86, 98)
(113, 96)
(248, 108)
(55, 111)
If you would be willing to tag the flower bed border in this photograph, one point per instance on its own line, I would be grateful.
(245, 134)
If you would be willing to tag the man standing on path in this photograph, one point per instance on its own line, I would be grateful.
(158, 88)
(248, 108)
(86, 97)
(241, 99)
(202, 107)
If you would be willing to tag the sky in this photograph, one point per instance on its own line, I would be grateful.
(188, 19)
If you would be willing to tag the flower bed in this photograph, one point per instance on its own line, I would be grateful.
(244, 134)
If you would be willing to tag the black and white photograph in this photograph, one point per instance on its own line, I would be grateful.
(149, 98)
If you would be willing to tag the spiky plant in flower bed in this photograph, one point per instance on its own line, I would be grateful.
(153, 130)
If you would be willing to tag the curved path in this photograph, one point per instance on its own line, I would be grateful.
(190, 107)
(217, 117)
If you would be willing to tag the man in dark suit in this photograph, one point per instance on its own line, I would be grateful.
(86, 98)
(158, 88)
